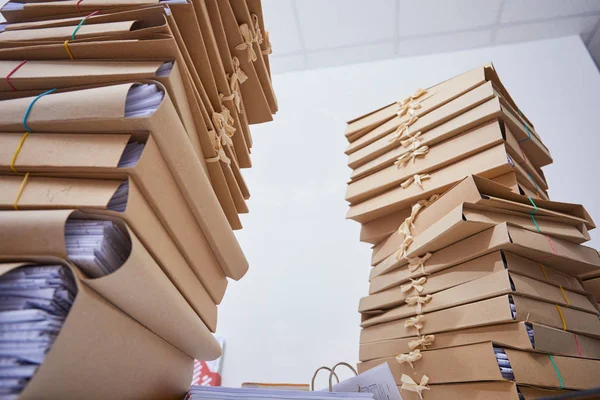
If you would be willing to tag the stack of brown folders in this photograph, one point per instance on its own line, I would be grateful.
(124, 127)
(476, 288)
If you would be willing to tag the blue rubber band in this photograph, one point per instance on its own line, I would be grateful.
(534, 206)
(28, 111)
(536, 224)
(537, 189)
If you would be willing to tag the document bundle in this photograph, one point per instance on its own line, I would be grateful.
(481, 286)
(124, 130)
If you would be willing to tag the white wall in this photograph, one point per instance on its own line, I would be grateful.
(295, 310)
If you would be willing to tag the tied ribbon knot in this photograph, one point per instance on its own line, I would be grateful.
(409, 384)
(401, 253)
(235, 80)
(411, 155)
(248, 42)
(418, 262)
(419, 301)
(417, 322)
(409, 105)
(416, 284)
(268, 47)
(258, 34)
(423, 342)
(417, 178)
(406, 227)
(414, 140)
(403, 130)
(409, 358)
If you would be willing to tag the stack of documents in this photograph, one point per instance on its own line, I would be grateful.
(35, 304)
(471, 261)
(223, 393)
(124, 131)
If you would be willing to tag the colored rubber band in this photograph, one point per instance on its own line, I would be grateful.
(562, 384)
(66, 46)
(28, 111)
(551, 244)
(534, 206)
(544, 271)
(17, 151)
(562, 317)
(81, 23)
(564, 294)
(7, 78)
(77, 5)
(535, 223)
(20, 192)
(577, 344)
(532, 181)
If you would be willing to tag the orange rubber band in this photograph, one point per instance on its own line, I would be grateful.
(17, 151)
(20, 192)
(562, 317)
(66, 45)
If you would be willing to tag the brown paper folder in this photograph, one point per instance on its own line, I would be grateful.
(477, 190)
(97, 156)
(477, 362)
(491, 285)
(559, 254)
(93, 197)
(138, 287)
(472, 391)
(34, 77)
(461, 274)
(512, 335)
(125, 361)
(436, 157)
(488, 312)
(73, 111)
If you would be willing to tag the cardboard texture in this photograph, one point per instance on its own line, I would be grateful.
(97, 156)
(491, 285)
(439, 95)
(36, 76)
(592, 286)
(512, 335)
(487, 312)
(92, 197)
(138, 287)
(107, 112)
(482, 192)
(489, 163)
(89, 361)
(561, 255)
(461, 274)
(477, 362)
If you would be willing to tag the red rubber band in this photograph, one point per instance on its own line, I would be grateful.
(553, 250)
(77, 5)
(12, 72)
(577, 343)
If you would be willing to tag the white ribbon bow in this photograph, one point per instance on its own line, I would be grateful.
(418, 262)
(411, 155)
(423, 342)
(416, 284)
(409, 384)
(248, 42)
(403, 130)
(401, 253)
(409, 358)
(417, 322)
(413, 140)
(419, 301)
(418, 178)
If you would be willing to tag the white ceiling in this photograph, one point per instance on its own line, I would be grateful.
(320, 33)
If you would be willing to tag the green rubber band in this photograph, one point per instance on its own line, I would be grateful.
(562, 384)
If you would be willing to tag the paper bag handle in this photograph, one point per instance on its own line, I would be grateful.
(312, 382)
(333, 373)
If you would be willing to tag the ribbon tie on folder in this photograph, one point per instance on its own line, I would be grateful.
(248, 42)
(416, 284)
(414, 140)
(423, 342)
(409, 108)
(417, 322)
(418, 301)
(418, 262)
(235, 79)
(403, 130)
(409, 358)
(258, 34)
(402, 251)
(406, 227)
(411, 155)
(417, 178)
(409, 384)
(409, 102)
(269, 47)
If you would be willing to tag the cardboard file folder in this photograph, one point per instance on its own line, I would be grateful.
(73, 111)
(138, 287)
(93, 197)
(97, 156)
(87, 360)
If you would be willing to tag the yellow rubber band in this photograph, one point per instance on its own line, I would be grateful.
(66, 45)
(20, 192)
(544, 271)
(564, 294)
(562, 317)
(17, 151)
